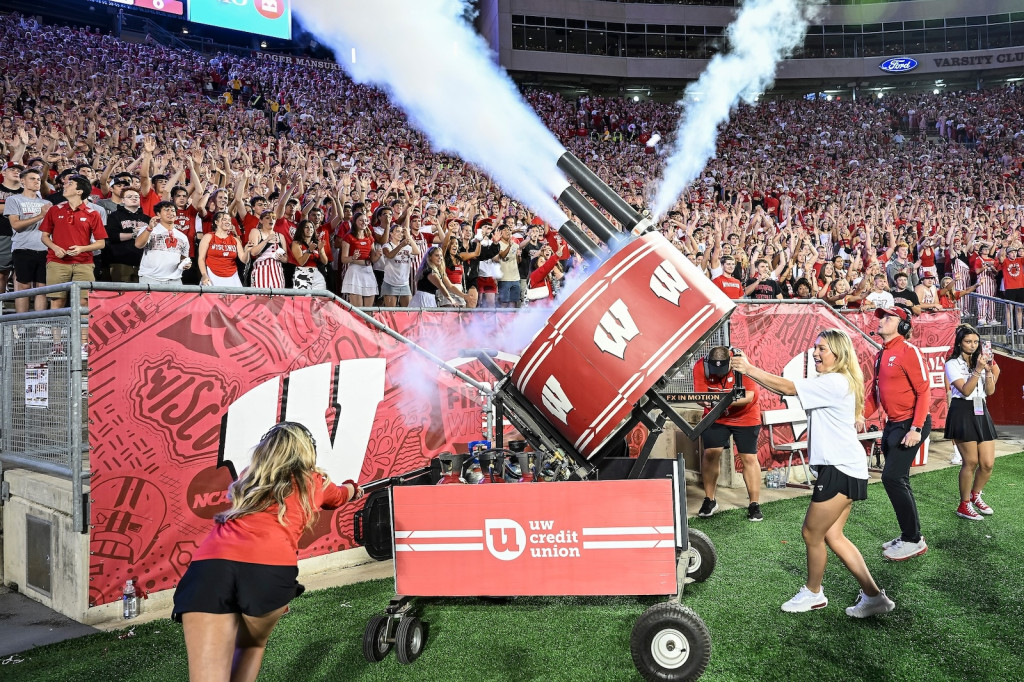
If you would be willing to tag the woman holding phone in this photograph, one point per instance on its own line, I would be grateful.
(834, 402)
(971, 373)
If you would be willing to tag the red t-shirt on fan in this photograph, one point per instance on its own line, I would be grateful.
(1013, 274)
(729, 285)
(745, 415)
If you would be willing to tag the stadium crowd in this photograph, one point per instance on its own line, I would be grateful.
(232, 169)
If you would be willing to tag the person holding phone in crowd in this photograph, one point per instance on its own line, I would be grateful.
(834, 402)
(901, 388)
(243, 575)
(971, 373)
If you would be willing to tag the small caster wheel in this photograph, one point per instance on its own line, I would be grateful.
(702, 556)
(375, 639)
(409, 639)
(670, 643)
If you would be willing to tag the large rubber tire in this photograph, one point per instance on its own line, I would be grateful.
(670, 643)
(409, 639)
(703, 557)
(375, 644)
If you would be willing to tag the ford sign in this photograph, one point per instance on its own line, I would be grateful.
(898, 65)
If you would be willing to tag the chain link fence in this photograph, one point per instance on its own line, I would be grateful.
(682, 380)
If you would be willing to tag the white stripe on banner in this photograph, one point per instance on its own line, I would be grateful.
(624, 544)
(630, 530)
(434, 534)
(461, 547)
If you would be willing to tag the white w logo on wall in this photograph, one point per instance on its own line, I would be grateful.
(355, 388)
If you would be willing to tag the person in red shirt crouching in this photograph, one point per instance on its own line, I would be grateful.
(741, 421)
(228, 603)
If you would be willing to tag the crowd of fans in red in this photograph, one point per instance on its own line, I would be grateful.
(229, 169)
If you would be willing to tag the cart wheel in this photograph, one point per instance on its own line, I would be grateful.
(409, 639)
(703, 556)
(375, 639)
(670, 643)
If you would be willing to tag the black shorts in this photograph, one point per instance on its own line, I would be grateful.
(1014, 295)
(224, 586)
(30, 266)
(744, 437)
(831, 482)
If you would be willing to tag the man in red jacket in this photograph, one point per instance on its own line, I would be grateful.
(901, 388)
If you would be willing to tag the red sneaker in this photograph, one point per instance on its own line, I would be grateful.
(966, 511)
(980, 505)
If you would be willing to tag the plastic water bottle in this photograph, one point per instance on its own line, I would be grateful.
(129, 600)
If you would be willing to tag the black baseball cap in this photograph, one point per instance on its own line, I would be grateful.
(717, 368)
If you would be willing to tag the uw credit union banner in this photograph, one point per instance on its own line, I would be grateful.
(183, 385)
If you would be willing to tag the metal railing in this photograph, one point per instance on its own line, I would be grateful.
(997, 320)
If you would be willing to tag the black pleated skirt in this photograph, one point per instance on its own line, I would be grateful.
(963, 425)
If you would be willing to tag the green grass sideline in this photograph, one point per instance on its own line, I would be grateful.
(959, 613)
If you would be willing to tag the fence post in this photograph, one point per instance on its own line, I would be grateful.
(75, 416)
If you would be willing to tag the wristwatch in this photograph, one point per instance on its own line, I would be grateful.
(915, 429)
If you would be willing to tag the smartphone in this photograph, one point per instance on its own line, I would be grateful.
(986, 349)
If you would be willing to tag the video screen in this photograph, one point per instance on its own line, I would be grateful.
(272, 18)
(175, 7)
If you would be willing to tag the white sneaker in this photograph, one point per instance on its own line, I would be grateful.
(887, 545)
(900, 550)
(805, 600)
(956, 458)
(869, 606)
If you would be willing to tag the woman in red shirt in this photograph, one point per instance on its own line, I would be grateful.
(218, 253)
(227, 603)
(360, 284)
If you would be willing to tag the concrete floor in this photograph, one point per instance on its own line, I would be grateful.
(25, 624)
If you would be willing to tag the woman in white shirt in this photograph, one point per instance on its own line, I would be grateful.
(971, 376)
(834, 402)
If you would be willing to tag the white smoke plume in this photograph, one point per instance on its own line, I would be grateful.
(436, 68)
(763, 33)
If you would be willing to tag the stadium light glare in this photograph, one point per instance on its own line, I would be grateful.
(935, 91)
(879, 95)
(636, 98)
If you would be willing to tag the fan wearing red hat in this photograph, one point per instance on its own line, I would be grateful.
(900, 386)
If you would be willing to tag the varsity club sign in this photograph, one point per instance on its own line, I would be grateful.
(536, 539)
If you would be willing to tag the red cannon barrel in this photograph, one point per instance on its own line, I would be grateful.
(607, 344)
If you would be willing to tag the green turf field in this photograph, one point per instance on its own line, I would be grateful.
(959, 613)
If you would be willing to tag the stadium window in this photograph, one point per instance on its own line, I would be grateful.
(955, 21)
(934, 23)
(621, 28)
(977, 37)
(616, 43)
(998, 18)
(853, 28)
(813, 47)
(1017, 16)
(556, 40)
(935, 40)
(675, 29)
(696, 47)
(872, 44)
(575, 23)
(976, 21)
(697, 30)
(956, 38)
(518, 37)
(636, 28)
(853, 45)
(596, 43)
(534, 21)
(1017, 33)
(893, 43)
(892, 26)
(518, 19)
(534, 38)
(832, 46)
(576, 41)
(656, 45)
(636, 45)
(913, 25)
(675, 46)
(913, 42)
(999, 35)
(833, 28)
(556, 23)
(655, 29)
(596, 25)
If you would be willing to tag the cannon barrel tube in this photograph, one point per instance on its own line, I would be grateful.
(591, 217)
(579, 241)
(605, 195)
